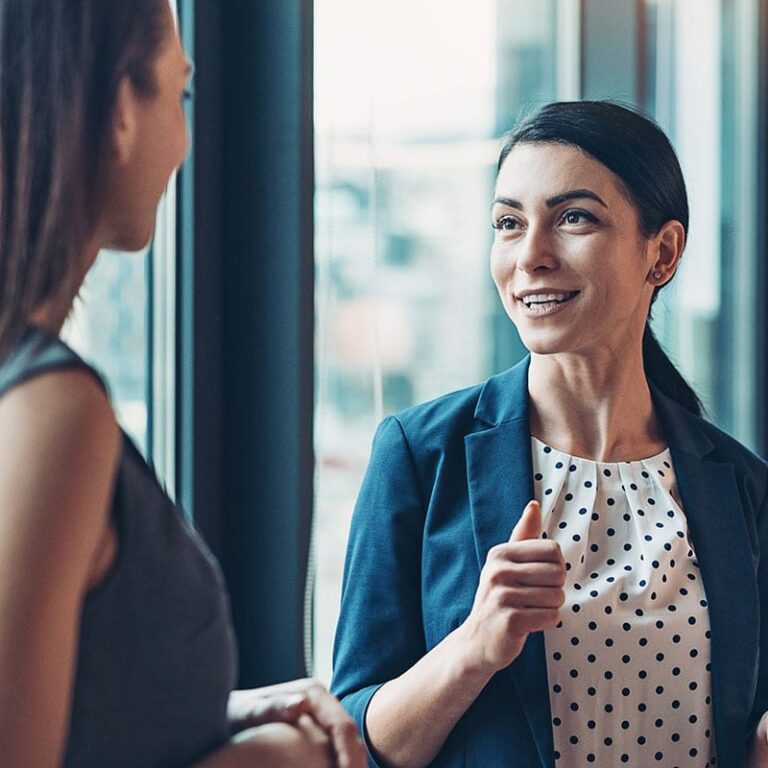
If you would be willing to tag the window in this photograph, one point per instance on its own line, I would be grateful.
(407, 136)
(702, 87)
(411, 100)
(109, 329)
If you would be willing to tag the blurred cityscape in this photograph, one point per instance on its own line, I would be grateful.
(108, 328)
(407, 138)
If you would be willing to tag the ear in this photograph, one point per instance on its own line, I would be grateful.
(125, 122)
(666, 248)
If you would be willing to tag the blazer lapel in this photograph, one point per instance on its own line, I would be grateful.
(500, 481)
(718, 532)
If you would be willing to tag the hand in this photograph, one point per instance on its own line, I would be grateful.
(259, 706)
(302, 743)
(288, 702)
(520, 591)
(757, 753)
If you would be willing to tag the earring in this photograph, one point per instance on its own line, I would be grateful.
(657, 275)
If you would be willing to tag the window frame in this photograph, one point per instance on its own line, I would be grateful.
(246, 317)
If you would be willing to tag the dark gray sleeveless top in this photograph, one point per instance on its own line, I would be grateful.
(156, 658)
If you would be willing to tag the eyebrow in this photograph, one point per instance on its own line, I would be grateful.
(573, 194)
(189, 70)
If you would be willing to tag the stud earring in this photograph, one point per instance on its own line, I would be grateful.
(657, 275)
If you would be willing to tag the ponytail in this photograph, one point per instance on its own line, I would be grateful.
(663, 374)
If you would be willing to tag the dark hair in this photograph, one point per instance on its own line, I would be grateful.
(639, 153)
(61, 63)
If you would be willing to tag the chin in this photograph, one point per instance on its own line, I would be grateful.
(546, 343)
(133, 242)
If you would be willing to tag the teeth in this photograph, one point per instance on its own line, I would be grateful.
(543, 298)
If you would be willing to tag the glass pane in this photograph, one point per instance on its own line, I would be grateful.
(701, 77)
(109, 329)
(407, 133)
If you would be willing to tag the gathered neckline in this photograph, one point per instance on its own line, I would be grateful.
(655, 458)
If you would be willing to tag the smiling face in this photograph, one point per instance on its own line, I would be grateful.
(572, 267)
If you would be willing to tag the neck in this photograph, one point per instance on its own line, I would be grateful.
(596, 406)
(53, 313)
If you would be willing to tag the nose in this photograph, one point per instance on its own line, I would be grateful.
(536, 250)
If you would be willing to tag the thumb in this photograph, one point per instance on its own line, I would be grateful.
(529, 525)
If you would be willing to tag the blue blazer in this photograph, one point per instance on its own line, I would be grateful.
(448, 480)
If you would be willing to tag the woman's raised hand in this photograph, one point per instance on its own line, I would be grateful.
(520, 591)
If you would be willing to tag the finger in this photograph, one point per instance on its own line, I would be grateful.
(525, 620)
(532, 597)
(291, 707)
(315, 733)
(345, 738)
(349, 748)
(529, 525)
(538, 574)
(529, 551)
(286, 708)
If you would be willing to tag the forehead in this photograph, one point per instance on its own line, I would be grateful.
(541, 171)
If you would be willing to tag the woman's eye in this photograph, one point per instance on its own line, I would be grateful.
(578, 217)
(506, 223)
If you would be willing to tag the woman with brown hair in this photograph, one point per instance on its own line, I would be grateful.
(115, 642)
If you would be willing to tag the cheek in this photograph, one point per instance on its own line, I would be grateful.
(183, 140)
(175, 140)
(500, 265)
(502, 271)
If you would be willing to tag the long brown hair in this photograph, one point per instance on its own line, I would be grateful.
(61, 63)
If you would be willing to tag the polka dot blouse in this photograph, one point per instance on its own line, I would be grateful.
(629, 665)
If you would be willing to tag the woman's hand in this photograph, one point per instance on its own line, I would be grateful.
(757, 755)
(520, 591)
(295, 701)
(247, 709)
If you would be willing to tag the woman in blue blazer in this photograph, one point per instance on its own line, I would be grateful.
(562, 566)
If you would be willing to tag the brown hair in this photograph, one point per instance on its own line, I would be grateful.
(61, 63)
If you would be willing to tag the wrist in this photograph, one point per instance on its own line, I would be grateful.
(471, 661)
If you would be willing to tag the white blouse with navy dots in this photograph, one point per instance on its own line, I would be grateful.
(629, 664)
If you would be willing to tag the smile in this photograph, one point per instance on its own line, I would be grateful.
(546, 303)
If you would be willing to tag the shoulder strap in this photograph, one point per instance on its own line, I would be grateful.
(40, 352)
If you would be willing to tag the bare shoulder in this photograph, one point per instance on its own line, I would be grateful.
(59, 444)
(54, 408)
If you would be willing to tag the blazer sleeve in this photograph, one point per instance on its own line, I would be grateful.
(761, 694)
(379, 635)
